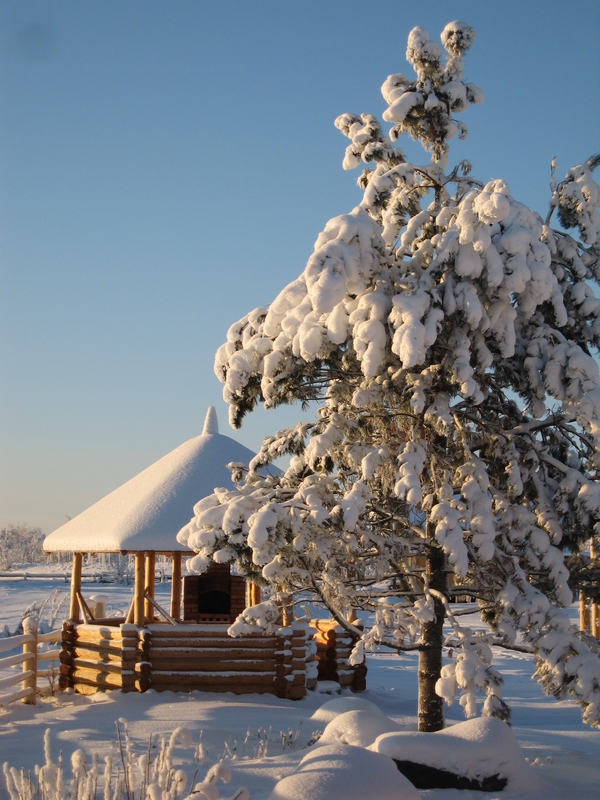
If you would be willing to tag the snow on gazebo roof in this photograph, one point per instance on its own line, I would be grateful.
(147, 512)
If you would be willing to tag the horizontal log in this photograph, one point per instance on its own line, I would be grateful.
(82, 663)
(88, 688)
(189, 629)
(208, 631)
(15, 679)
(209, 653)
(197, 643)
(11, 661)
(92, 676)
(198, 679)
(215, 689)
(12, 642)
(99, 653)
(50, 655)
(296, 693)
(93, 632)
(12, 697)
(223, 665)
(51, 636)
(299, 652)
(97, 643)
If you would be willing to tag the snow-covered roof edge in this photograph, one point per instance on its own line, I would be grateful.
(146, 513)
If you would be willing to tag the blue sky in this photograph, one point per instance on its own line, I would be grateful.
(166, 167)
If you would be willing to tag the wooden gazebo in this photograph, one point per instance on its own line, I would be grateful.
(143, 516)
(186, 646)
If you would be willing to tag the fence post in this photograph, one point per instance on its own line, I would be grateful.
(30, 626)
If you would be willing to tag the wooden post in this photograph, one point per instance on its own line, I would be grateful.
(138, 591)
(595, 622)
(150, 569)
(30, 626)
(176, 587)
(584, 613)
(75, 587)
(287, 609)
(254, 594)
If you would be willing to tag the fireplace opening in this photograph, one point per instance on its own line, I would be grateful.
(214, 596)
(214, 602)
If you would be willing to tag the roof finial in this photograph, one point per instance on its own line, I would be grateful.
(211, 423)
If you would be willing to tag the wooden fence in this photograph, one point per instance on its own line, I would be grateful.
(30, 657)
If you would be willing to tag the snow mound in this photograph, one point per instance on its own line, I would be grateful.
(341, 772)
(476, 749)
(339, 705)
(328, 687)
(359, 728)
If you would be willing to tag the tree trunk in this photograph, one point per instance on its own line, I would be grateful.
(431, 707)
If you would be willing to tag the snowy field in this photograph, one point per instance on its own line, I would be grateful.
(565, 752)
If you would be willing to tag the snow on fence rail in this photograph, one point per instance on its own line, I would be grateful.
(29, 658)
(95, 577)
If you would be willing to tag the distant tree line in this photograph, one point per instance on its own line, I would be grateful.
(21, 544)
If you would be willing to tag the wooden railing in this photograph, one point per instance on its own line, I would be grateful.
(29, 658)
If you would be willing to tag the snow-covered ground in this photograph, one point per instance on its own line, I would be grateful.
(567, 752)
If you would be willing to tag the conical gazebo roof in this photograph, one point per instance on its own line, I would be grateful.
(146, 513)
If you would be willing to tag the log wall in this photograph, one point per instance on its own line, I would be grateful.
(97, 657)
(334, 646)
(187, 657)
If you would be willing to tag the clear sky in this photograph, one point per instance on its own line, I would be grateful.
(165, 167)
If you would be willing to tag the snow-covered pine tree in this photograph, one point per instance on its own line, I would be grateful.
(447, 333)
